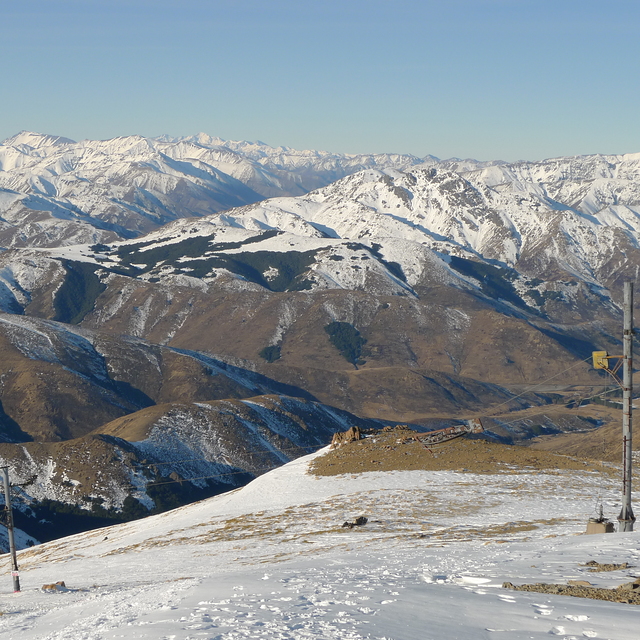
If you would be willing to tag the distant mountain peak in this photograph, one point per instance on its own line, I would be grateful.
(36, 140)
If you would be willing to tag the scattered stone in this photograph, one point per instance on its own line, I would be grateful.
(630, 586)
(55, 586)
(359, 522)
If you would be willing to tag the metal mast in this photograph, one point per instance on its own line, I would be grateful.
(626, 517)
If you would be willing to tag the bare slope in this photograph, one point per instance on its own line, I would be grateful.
(445, 347)
(62, 382)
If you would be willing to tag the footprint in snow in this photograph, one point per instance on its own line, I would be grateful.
(542, 609)
(367, 610)
(576, 618)
(560, 631)
(506, 598)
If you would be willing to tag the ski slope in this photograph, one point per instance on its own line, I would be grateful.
(271, 560)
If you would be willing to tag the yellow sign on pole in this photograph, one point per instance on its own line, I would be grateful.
(600, 360)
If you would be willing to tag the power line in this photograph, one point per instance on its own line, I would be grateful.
(315, 447)
(540, 413)
(247, 451)
(530, 389)
(218, 475)
(311, 447)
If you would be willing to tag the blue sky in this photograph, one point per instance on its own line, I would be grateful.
(510, 79)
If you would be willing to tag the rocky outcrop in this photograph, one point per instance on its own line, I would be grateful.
(350, 435)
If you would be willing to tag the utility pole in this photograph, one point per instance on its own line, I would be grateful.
(626, 517)
(9, 523)
(601, 361)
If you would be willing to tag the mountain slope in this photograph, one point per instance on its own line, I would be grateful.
(160, 457)
(444, 335)
(547, 231)
(273, 560)
(423, 291)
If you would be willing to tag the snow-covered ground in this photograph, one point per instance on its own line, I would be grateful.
(272, 561)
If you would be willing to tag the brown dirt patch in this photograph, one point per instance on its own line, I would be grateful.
(397, 449)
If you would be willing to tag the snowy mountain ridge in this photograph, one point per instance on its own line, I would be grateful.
(287, 157)
(580, 230)
(575, 216)
(106, 190)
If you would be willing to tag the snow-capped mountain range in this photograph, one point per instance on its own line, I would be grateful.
(543, 245)
(143, 273)
(556, 219)
(57, 191)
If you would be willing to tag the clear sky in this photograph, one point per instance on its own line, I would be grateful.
(510, 79)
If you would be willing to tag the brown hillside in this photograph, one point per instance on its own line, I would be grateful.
(447, 332)
(61, 383)
(49, 401)
(397, 449)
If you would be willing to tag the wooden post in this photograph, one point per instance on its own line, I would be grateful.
(9, 523)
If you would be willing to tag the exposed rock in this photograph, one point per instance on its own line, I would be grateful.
(630, 586)
(395, 449)
(628, 593)
(595, 566)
